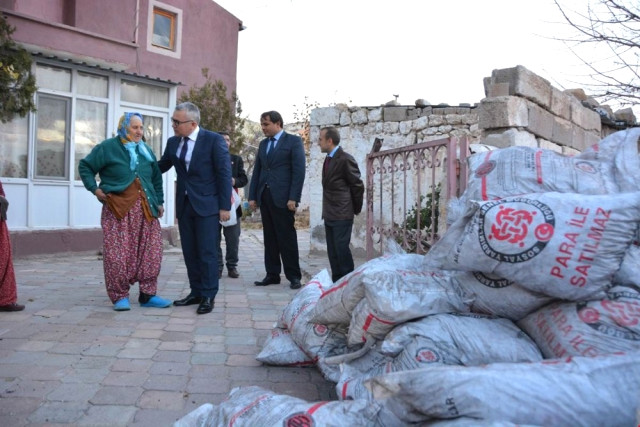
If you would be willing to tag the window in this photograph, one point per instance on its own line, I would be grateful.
(90, 128)
(164, 29)
(13, 149)
(140, 93)
(153, 133)
(54, 78)
(51, 137)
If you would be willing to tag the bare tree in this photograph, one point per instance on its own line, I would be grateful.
(607, 42)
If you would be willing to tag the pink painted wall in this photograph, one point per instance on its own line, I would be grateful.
(209, 36)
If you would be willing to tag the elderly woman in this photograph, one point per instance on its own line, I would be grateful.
(8, 289)
(131, 193)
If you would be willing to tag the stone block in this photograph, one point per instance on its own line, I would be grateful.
(359, 117)
(562, 131)
(413, 113)
(374, 115)
(568, 151)
(394, 114)
(548, 145)
(510, 138)
(540, 121)
(436, 120)
(497, 89)
(579, 139)
(560, 104)
(405, 127)
(523, 82)
(502, 112)
(453, 119)
(585, 117)
(420, 123)
(390, 127)
(327, 116)
(427, 111)
(345, 118)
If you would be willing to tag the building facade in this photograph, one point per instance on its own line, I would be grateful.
(93, 61)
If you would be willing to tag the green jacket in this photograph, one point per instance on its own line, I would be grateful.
(111, 160)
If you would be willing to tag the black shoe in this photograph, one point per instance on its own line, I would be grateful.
(12, 307)
(189, 300)
(268, 280)
(295, 284)
(233, 272)
(206, 305)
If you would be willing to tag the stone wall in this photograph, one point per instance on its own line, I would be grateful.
(520, 108)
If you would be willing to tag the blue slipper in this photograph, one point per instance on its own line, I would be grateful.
(157, 302)
(122, 305)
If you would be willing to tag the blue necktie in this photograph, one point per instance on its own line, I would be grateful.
(272, 141)
(183, 152)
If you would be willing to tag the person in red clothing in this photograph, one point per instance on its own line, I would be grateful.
(8, 288)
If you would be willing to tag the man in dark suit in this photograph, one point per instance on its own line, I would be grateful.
(276, 187)
(232, 233)
(203, 199)
(342, 196)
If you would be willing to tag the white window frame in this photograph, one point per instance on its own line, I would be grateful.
(177, 51)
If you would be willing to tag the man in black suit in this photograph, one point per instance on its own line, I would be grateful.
(203, 199)
(276, 187)
(232, 233)
(342, 197)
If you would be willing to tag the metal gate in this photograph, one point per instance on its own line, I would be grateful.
(408, 189)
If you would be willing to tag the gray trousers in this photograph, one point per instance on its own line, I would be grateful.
(232, 241)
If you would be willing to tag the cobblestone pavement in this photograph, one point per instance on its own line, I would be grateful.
(70, 359)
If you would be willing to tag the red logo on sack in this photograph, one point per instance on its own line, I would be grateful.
(512, 225)
(299, 420)
(617, 316)
(426, 355)
(485, 168)
(515, 229)
(589, 315)
(320, 330)
(625, 314)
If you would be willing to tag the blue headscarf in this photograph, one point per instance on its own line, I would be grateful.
(131, 146)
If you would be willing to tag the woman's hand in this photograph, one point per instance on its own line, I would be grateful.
(100, 195)
(160, 211)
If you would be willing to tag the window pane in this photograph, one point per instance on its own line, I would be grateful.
(153, 134)
(51, 131)
(53, 78)
(92, 85)
(145, 94)
(90, 129)
(14, 148)
(162, 29)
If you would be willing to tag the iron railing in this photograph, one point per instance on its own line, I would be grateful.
(407, 190)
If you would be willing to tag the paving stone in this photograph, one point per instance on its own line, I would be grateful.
(166, 382)
(169, 368)
(126, 378)
(107, 416)
(59, 412)
(116, 395)
(72, 392)
(168, 400)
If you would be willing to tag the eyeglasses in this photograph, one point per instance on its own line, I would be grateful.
(175, 122)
